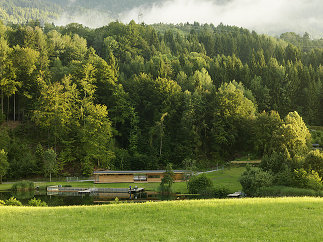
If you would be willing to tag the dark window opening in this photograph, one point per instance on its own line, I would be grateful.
(153, 176)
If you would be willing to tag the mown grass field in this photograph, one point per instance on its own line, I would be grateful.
(228, 178)
(258, 219)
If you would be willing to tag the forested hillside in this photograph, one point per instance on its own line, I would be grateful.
(21, 11)
(137, 97)
(48, 11)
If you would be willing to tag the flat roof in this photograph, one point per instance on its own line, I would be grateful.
(137, 172)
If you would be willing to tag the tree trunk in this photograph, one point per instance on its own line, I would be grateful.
(50, 177)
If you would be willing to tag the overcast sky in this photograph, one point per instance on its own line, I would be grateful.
(264, 16)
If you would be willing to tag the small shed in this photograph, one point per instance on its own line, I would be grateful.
(135, 176)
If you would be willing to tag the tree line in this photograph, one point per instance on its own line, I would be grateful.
(136, 96)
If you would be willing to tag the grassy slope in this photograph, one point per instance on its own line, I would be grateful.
(228, 178)
(280, 219)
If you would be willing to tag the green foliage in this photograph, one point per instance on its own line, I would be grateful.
(37, 203)
(2, 203)
(314, 161)
(116, 201)
(23, 186)
(133, 96)
(167, 180)
(50, 162)
(21, 158)
(233, 116)
(4, 139)
(297, 171)
(39, 154)
(266, 125)
(284, 177)
(13, 202)
(317, 136)
(200, 184)
(275, 162)
(305, 179)
(283, 191)
(4, 165)
(221, 192)
(2, 118)
(87, 168)
(253, 179)
(293, 135)
(122, 159)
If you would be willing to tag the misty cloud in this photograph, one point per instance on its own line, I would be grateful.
(90, 18)
(271, 17)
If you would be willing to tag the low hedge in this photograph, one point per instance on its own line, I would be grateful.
(283, 191)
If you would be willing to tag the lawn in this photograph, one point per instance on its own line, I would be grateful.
(4, 187)
(258, 219)
(228, 178)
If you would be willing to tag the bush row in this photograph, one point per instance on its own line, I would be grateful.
(14, 202)
(283, 191)
(23, 186)
(203, 186)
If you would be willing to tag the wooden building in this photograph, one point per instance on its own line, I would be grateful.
(134, 176)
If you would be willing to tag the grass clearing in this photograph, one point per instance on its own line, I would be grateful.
(258, 219)
(228, 178)
(4, 187)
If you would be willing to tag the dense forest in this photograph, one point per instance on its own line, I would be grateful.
(136, 96)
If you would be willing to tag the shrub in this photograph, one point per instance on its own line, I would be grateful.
(221, 192)
(37, 203)
(116, 201)
(13, 202)
(283, 191)
(23, 186)
(253, 179)
(2, 203)
(304, 179)
(274, 162)
(314, 161)
(284, 177)
(200, 184)
(167, 180)
(314, 181)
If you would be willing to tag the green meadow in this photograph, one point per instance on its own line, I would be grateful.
(257, 219)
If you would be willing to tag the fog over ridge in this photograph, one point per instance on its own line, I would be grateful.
(270, 17)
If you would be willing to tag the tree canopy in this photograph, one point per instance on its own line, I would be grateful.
(136, 96)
